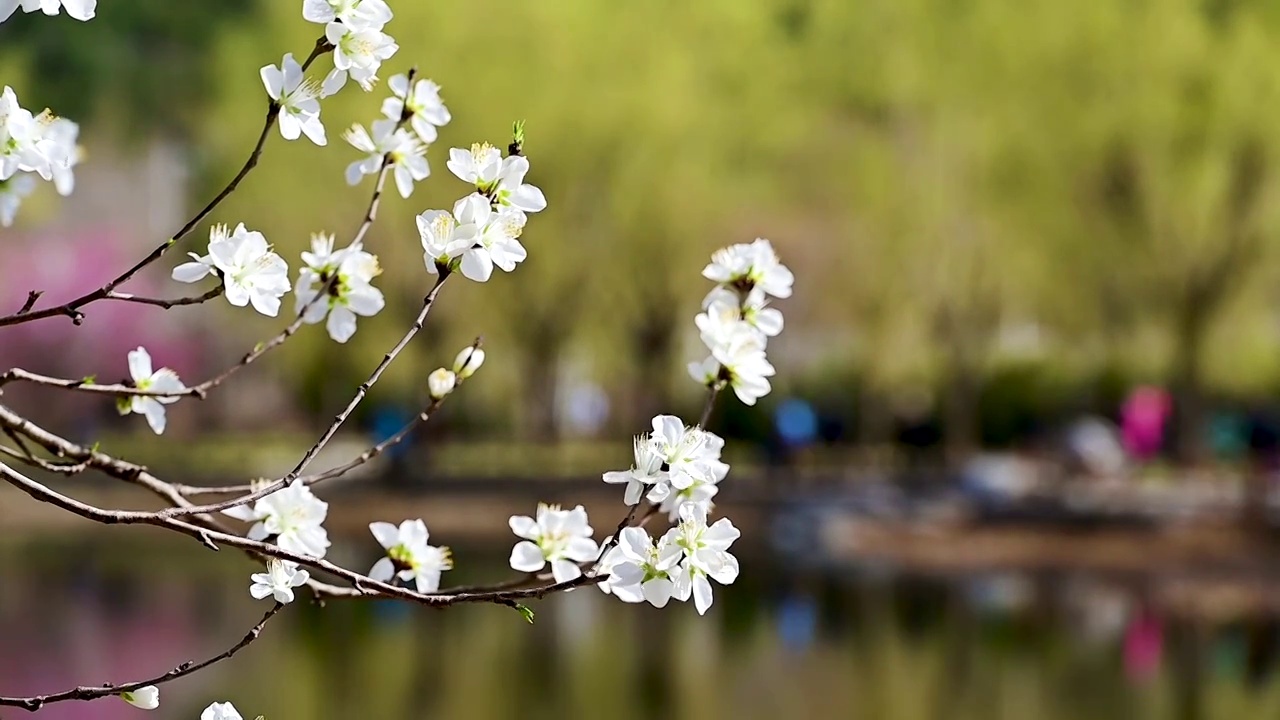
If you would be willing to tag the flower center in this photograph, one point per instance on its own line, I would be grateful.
(401, 557)
(553, 545)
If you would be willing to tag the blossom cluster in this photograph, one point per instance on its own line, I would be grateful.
(484, 228)
(674, 465)
(677, 467)
(736, 322)
(337, 285)
(354, 29)
(32, 145)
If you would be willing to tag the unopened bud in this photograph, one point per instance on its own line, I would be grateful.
(440, 382)
(468, 361)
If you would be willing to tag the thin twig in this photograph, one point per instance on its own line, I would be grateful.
(93, 693)
(163, 303)
(32, 297)
(200, 391)
(329, 432)
(29, 459)
(71, 308)
(369, 454)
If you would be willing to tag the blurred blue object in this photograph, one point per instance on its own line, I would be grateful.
(797, 621)
(796, 421)
(1229, 435)
(387, 421)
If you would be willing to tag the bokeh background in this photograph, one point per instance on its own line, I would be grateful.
(1018, 461)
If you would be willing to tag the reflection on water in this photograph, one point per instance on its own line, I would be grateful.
(778, 644)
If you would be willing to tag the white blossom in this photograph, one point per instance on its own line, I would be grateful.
(24, 145)
(221, 711)
(723, 309)
(406, 153)
(297, 96)
(750, 265)
(691, 453)
(705, 555)
(344, 278)
(645, 476)
(699, 493)
(439, 231)
(409, 557)
(163, 380)
(146, 698)
(357, 53)
(82, 10)
(498, 178)
(469, 360)
(641, 570)
(479, 166)
(441, 382)
(741, 353)
(251, 273)
(706, 372)
(427, 110)
(492, 238)
(293, 515)
(355, 14)
(560, 537)
(12, 192)
(278, 581)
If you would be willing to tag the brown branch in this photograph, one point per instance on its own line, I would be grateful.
(93, 693)
(362, 585)
(163, 303)
(133, 474)
(713, 391)
(71, 308)
(24, 455)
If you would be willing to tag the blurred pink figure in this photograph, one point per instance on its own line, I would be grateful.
(1142, 421)
(1143, 643)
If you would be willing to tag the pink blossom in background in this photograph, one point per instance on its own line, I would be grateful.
(1142, 421)
(68, 264)
(1143, 645)
(99, 643)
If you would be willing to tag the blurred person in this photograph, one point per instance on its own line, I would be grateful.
(1143, 419)
(584, 408)
(1094, 448)
(1143, 645)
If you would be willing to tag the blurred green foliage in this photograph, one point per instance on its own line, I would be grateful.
(948, 178)
(149, 59)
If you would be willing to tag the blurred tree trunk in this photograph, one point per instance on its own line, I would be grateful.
(653, 342)
(1188, 394)
(541, 343)
(960, 434)
(965, 338)
(1209, 286)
